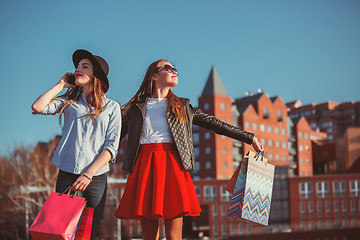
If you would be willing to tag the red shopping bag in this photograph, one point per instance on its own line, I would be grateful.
(58, 218)
(84, 229)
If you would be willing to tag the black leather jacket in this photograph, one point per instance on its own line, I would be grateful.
(133, 120)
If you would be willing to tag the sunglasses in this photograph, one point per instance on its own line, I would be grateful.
(168, 68)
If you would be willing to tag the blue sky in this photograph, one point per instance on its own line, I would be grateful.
(305, 49)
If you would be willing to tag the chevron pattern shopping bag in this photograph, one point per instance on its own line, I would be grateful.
(251, 198)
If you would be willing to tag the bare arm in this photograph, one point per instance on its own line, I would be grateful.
(83, 181)
(40, 103)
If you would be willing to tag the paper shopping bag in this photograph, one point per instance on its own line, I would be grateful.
(251, 199)
(84, 229)
(230, 186)
(58, 218)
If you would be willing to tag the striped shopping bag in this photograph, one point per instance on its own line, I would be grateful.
(85, 225)
(251, 197)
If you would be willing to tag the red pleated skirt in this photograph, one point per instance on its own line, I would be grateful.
(158, 186)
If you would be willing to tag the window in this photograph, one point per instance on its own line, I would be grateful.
(196, 152)
(319, 224)
(277, 144)
(222, 106)
(327, 208)
(306, 135)
(269, 129)
(319, 209)
(311, 209)
(215, 230)
(328, 224)
(208, 165)
(307, 148)
(352, 207)
(207, 135)
(283, 131)
(301, 147)
(322, 189)
(339, 188)
(225, 195)
(224, 150)
(336, 208)
(266, 113)
(300, 134)
(232, 228)
(344, 208)
(121, 151)
(210, 193)
(263, 142)
(277, 130)
(197, 189)
(207, 150)
(284, 145)
(206, 106)
(255, 126)
(223, 230)
(196, 138)
(270, 142)
(225, 165)
(355, 188)
(223, 211)
(215, 212)
(302, 209)
(262, 127)
(306, 190)
(247, 125)
(280, 117)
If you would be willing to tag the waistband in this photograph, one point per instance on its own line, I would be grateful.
(157, 146)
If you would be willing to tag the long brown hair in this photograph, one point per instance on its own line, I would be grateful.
(146, 89)
(94, 99)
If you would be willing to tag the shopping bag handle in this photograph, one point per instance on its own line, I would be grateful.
(262, 154)
(68, 189)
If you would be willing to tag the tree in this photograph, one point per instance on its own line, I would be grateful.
(27, 179)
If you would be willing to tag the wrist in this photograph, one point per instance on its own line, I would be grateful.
(86, 175)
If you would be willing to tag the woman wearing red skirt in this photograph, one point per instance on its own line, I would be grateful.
(160, 153)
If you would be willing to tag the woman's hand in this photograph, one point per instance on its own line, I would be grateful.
(258, 147)
(40, 103)
(64, 81)
(81, 183)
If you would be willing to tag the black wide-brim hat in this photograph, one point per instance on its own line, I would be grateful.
(101, 68)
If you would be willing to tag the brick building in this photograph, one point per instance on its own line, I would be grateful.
(294, 143)
(325, 202)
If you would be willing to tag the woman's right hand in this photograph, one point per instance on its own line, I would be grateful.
(64, 80)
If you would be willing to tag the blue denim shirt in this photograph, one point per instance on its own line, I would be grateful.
(82, 138)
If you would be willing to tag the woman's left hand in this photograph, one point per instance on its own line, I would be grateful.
(258, 147)
(80, 184)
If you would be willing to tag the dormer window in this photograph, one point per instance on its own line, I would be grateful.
(266, 113)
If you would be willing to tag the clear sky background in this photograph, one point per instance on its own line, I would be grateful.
(304, 49)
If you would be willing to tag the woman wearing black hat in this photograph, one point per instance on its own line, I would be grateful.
(91, 130)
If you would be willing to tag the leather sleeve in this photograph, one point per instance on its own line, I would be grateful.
(212, 123)
(124, 125)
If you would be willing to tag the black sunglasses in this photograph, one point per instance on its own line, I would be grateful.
(168, 68)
